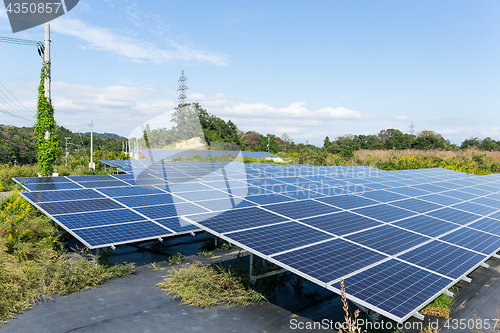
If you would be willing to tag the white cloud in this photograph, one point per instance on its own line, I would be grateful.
(456, 131)
(490, 131)
(134, 49)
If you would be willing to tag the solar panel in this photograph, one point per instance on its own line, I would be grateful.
(394, 288)
(397, 238)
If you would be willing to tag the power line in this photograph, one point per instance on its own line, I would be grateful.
(19, 41)
(21, 104)
(13, 112)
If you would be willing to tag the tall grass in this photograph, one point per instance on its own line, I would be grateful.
(205, 286)
(33, 264)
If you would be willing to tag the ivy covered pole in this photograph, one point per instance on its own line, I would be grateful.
(46, 138)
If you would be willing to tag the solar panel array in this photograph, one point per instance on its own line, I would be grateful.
(399, 239)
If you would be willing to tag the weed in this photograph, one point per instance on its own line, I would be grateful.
(155, 266)
(33, 264)
(205, 254)
(205, 286)
(440, 307)
(209, 245)
(176, 259)
(349, 325)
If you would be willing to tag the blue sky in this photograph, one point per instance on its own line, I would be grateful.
(309, 69)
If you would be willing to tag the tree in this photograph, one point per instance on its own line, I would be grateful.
(326, 142)
(252, 139)
(429, 140)
(46, 138)
(470, 142)
(187, 122)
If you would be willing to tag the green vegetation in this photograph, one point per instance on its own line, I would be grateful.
(205, 286)
(176, 259)
(46, 138)
(205, 254)
(440, 307)
(33, 261)
(209, 245)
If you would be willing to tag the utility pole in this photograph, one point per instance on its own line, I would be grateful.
(66, 149)
(46, 59)
(92, 164)
(268, 143)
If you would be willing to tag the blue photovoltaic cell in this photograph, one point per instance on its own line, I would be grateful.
(61, 195)
(384, 212)
(254, 190)
(444, 258)
(395, 287)
(383, 196)
(460, 195)
(77, 206)
(393, 184)
(40, 180)
(170, 210)
(279, 188)
(409, 182)
(440, 199)
(186, 187)
(377, 186)
(114, 192)
(236, 219)
(488, 225)
(224, 204)
(279, 237)
(487, 202)
(303, 195)
(265, 181)
(474, 240)
(103, 183)
(121, 233)
(148, 200)
(430, 188)
(300, 209)
(177, 224)
(409, 191)
(204, 195)
(427, 225)
(341, 223)
(348, 201)
(51, 186)
(449, 185)
(475, 208)
(454, 215)
(475, 191)
(388, 239)
(329, 260)
(101, 218)
(416, 205)
(90, 178)
(268, 198)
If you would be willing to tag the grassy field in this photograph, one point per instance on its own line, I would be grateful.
(470, 161)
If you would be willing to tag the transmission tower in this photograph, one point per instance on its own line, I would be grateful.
(412, 128)
(182, 89)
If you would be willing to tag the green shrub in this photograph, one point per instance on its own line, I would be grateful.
(205, 286)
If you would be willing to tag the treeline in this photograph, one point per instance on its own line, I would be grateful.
(17, 144)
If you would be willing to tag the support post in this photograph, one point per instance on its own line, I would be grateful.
(92, 164)
(251, 265)
(66, 149)
(46, 59)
